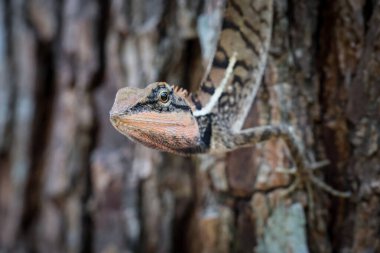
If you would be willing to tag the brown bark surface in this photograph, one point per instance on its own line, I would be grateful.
(70, 183)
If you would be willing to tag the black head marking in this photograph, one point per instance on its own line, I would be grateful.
(154, 101)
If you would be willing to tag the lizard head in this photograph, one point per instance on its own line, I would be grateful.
(159, 116)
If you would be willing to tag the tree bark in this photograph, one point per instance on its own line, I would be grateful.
(70, 183)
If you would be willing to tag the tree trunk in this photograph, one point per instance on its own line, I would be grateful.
(70, 183)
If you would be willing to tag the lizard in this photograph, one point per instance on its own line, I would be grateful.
(210, 120)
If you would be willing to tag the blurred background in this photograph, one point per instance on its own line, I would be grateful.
(70, 183)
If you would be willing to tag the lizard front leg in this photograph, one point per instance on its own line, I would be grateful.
(304, 170)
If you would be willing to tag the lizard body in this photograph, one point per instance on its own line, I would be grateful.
(222, 101)
(167, 118)
(244, 39)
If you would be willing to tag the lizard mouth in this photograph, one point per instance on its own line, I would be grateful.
(134, 121)
(130, 121)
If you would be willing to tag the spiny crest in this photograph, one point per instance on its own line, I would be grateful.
(184, 94)
(180, 91)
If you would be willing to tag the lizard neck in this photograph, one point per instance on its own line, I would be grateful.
(235, 73)
(205, 125)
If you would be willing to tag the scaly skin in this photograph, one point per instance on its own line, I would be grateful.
(167, 118)
(164, 123)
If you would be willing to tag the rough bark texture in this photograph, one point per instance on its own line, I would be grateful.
(70, 183)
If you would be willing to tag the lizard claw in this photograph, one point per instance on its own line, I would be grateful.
(318, 165)
(304, 177)
(318, 182)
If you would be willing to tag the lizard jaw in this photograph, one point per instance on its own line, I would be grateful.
(173, 132)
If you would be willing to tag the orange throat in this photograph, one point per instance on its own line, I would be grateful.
(166, 131)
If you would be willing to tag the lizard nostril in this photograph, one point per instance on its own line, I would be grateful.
(114, 119)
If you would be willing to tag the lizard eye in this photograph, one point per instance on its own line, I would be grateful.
(164, 96)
